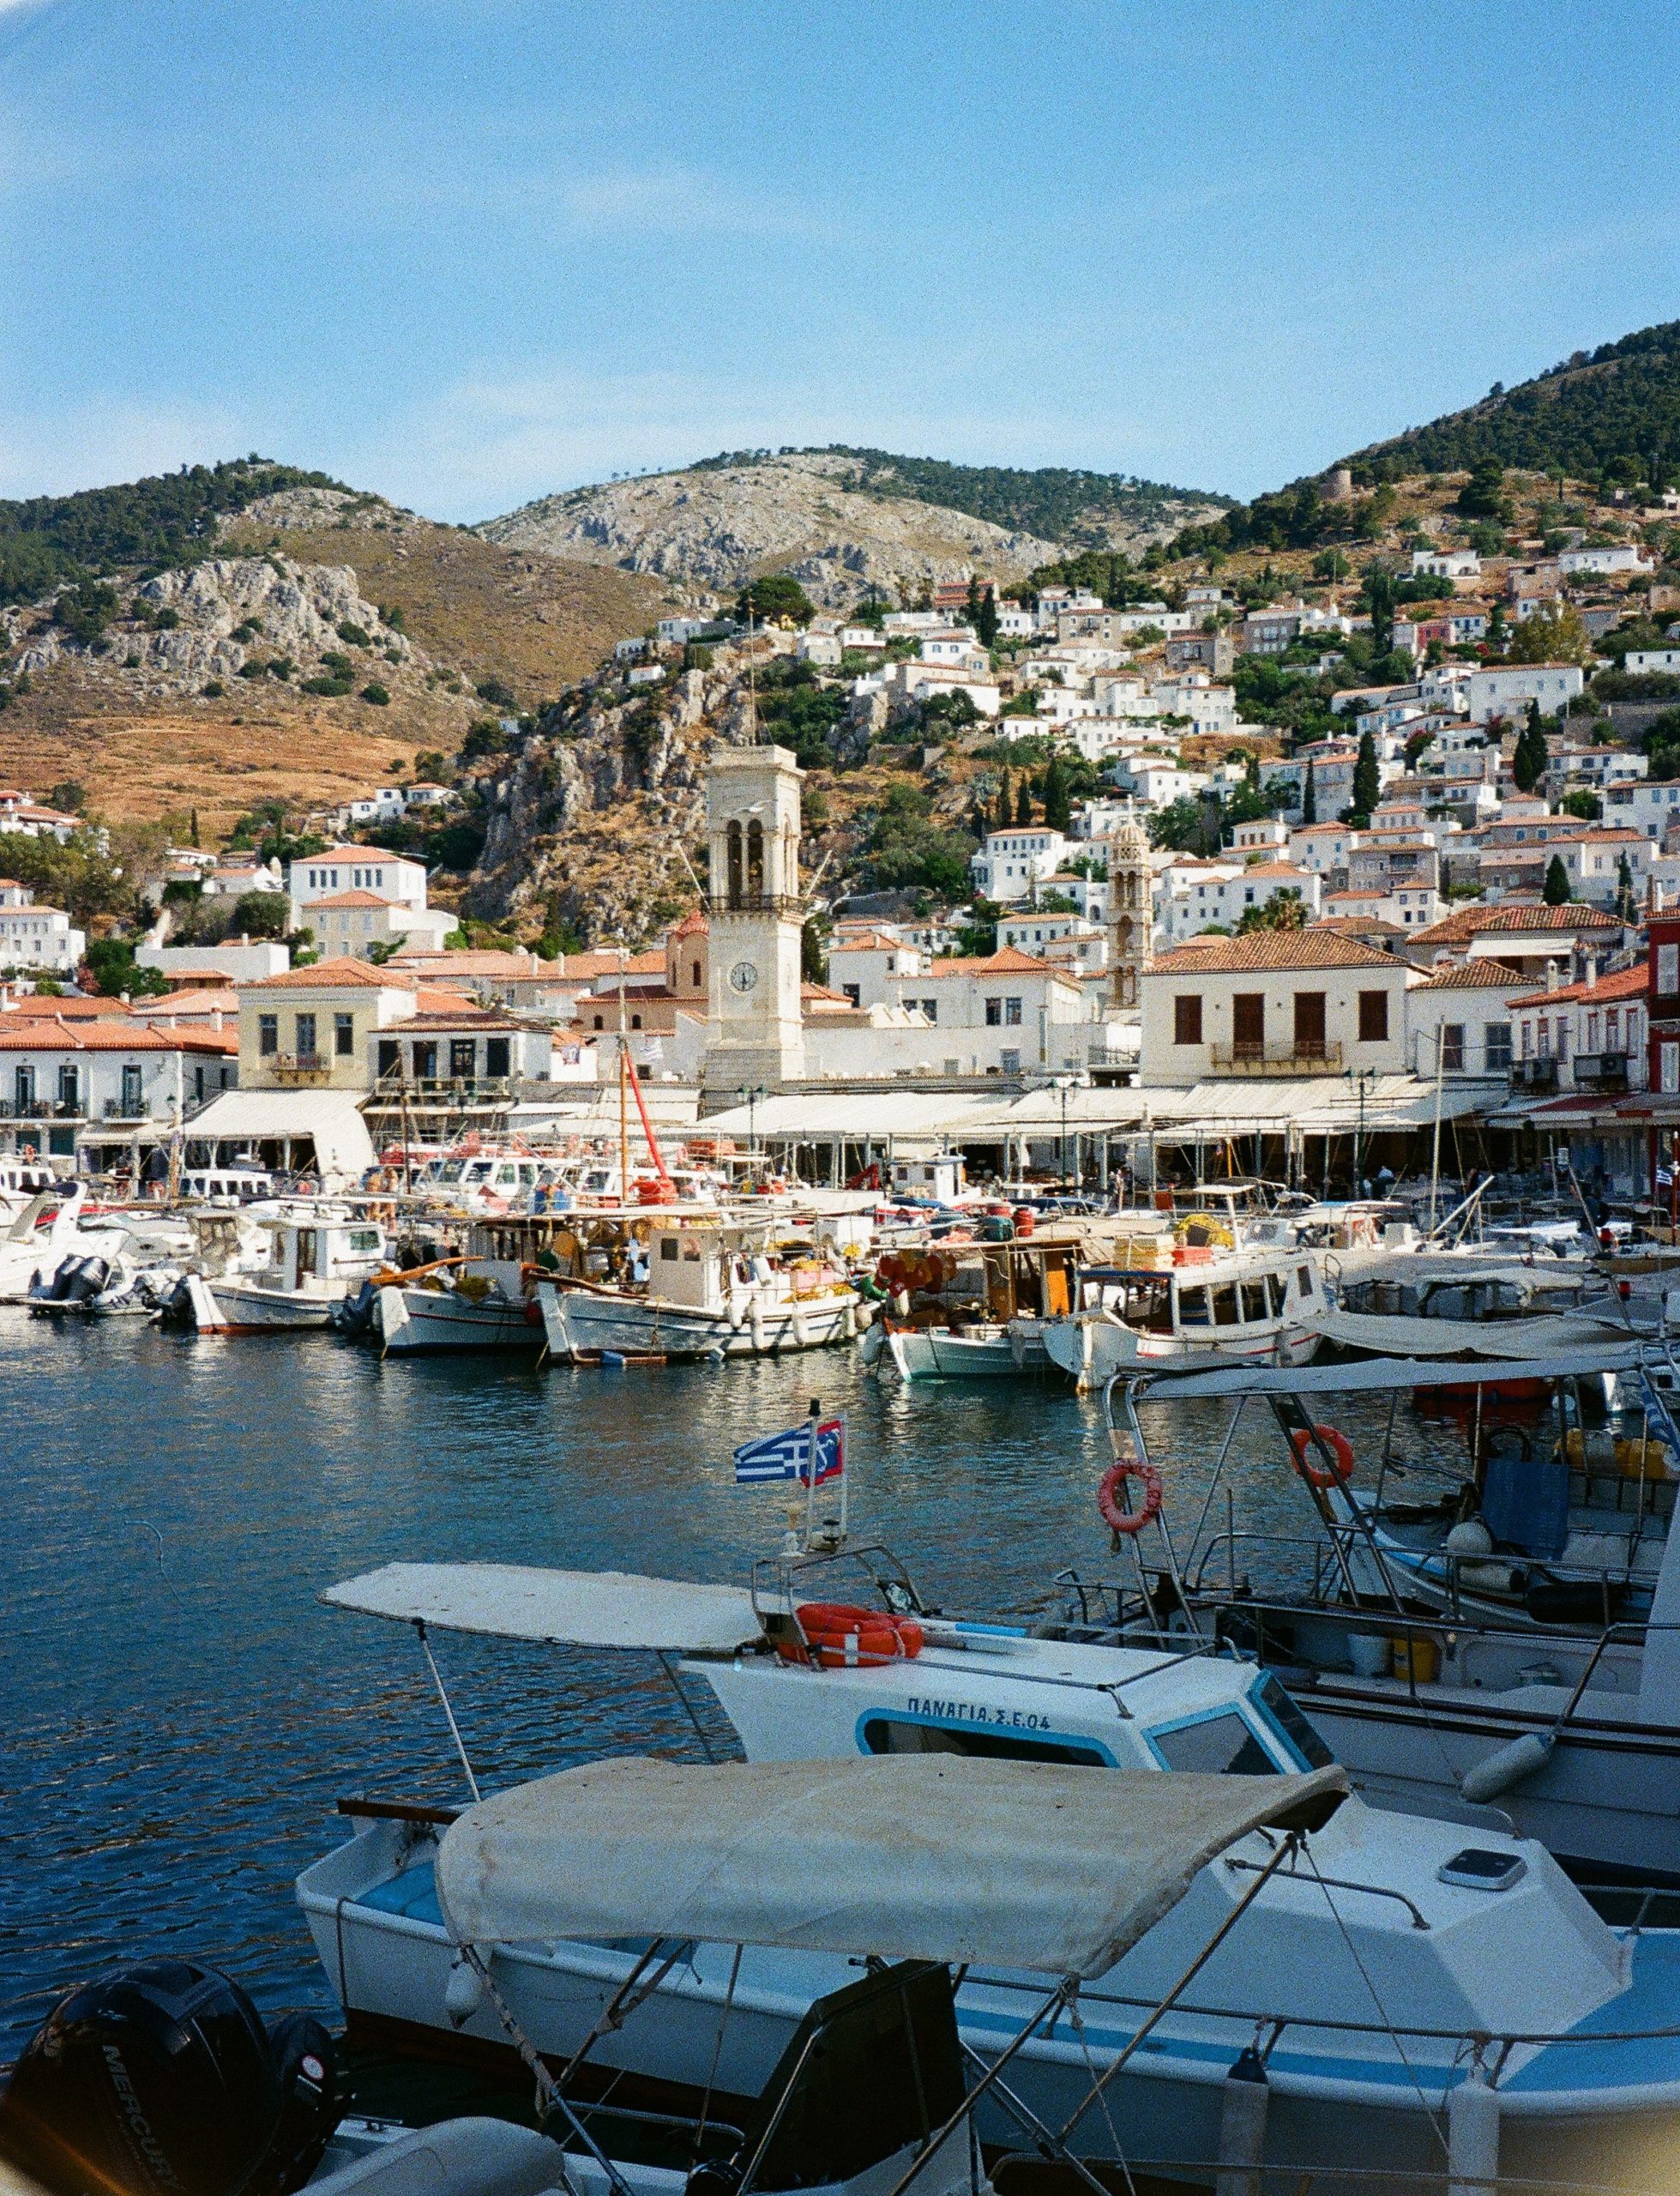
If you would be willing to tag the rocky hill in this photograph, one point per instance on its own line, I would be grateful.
(222, 679)
(839, 520)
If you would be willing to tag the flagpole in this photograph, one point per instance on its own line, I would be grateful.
(846, 1478)
(810, 1470)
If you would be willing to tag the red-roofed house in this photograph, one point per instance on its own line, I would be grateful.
(106, 1088)
(1582, 1036)
(1295, 1003)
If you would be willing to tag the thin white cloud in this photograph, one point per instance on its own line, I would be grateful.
(679, 201)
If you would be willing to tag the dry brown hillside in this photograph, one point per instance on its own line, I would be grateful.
(536, 623)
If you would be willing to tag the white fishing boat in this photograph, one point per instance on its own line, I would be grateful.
(1386, 1965)
(700, 1285)
(1463, 1643)
(463, 1303)
(21, 1179)
(969, 1307)
(302, 1268)
(1261, 1305)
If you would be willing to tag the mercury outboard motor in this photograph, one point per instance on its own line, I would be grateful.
(163, 2081)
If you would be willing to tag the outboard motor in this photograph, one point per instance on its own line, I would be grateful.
(87, 1281)
(163, 2081)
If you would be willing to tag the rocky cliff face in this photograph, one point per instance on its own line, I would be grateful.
(709, 529)
(183, 628)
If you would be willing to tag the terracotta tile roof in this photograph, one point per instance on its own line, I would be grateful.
(1465, 923)
(1360, 926)
(74, 1010)
(694, 924)
(467, 961)
(358, 854)
(1626, 983)
(1278, 869)
(1316, 947)
(1008, 961)
(474, 1018)
(1472, 975)
(37, 1033)
(341, 973)
(353, 900)
(872, 941)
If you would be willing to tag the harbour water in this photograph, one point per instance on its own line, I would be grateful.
(181, 1713)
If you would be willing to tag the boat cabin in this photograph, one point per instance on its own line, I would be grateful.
(1196, 1300)
(313, 1256)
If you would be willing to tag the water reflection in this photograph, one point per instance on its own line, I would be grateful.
(181, 1712)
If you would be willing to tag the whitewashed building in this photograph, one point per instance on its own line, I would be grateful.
(34, 938)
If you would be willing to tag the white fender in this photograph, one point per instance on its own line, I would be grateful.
(757, 1331)
(464, 1992)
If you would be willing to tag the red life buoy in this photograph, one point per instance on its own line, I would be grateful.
(1313, 1473)
(1129, 1521)
(839, 1636)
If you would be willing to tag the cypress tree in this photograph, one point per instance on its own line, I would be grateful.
(1556, 890)
(1023, 802)
(1006, 810)
(1310, 799)
(1367, 779)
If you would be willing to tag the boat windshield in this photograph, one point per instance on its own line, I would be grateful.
(1278, 1709)
(1219, 1744)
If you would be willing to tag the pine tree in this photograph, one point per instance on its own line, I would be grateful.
(1310, 799)
(1024, 803)
(1367, 778)
(1556, 890)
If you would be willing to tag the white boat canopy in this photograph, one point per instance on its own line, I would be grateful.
(1398, 1334)
(574, 1608)
(1382, 1373)
(907, 1856)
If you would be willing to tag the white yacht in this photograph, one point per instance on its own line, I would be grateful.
(49, 1230)
(1379, 1968)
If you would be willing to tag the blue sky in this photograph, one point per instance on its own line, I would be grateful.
(468, 251)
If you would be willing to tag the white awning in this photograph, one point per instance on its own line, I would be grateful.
(575, 1609)
(1399, 1334)
(907, 1856)
(1381, 1374)
(330, 1119)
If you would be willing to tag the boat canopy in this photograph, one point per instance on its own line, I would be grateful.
(1384, 1374)
(1399, 1334)
(905, 1856)
(574, 1608)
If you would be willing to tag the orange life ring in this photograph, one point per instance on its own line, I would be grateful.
(1129, 1521)
(840, 1636)
(1314, 1473)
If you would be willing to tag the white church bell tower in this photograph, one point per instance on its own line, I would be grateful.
(756, 1035)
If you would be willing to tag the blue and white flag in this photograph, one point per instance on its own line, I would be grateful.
(787, 1454)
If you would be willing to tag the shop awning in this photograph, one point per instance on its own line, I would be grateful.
(330, 1119)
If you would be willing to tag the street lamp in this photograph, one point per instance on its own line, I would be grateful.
(1364, 1074)
(750, 1099)
(1064, 1083)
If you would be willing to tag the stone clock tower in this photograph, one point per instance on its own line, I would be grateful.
(756, 1036)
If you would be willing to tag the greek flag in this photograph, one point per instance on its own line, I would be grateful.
(786, 1456)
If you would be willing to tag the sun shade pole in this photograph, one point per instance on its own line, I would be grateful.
(1057, 1999)
(455, 1727)
(624, 2001)
(549, 2096)
(668, 1663)
(1289, 1846)
(1043, 2137)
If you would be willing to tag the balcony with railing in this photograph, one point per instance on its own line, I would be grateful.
(1609, 1072)
(394, 1090)
(1534, 1075)
(1277, 1056)
(300, 1067)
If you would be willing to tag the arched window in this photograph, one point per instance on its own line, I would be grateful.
(755, 859)
(734, 865)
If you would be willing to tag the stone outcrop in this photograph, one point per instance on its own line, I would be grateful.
(709, 529)
(219, 616)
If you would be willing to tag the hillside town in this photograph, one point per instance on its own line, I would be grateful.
(1455, 903)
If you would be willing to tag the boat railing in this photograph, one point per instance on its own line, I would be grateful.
(1420, 1920)
(1019, 2172)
